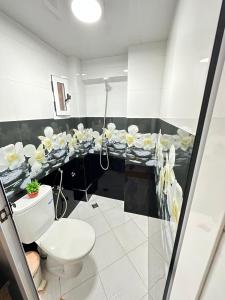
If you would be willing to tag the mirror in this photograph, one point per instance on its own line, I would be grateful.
(61, 95)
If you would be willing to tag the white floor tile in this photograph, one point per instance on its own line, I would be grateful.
(116, 216)
(122, 277)
(139, 258)
(74, 214)
(106, 251)
(52, 290)
(163, 242)
(67, 284)
(122, 282)
(157, 290)
(89, 290)
(106, 203)
(85, 210)
(129, 235)
(142, 223)
(157, 267)
(147, 297)
(156, 225)
(99, 224)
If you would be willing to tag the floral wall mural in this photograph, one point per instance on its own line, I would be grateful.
(20, 163)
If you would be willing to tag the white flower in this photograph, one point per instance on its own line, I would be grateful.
(119, 136)
(80, 127)
(133, 129)
(139, 143)
(108, 134)
(161, 183)
(36, 156)
(168, 174)
(95, 134)
(80, 135)
(130, 139)
(89, 134)
(111, 127)
(166, 141)
(60, 141)
(72, 143)
(172, 156)
(149, 141)
(174, 200)
(48, 140)
(11, 156)
(183, 140)
(98, 143)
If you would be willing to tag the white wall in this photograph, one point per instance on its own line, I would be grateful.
(95, 93)
(214, 287)
(104, 67)
(190, 41)
(26, 65)
(76, 87)
(146, 68)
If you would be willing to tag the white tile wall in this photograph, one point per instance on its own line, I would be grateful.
(146, 68)
(104, 67)
(191, 40)
(117, 100)
(207, 215)
(95, 93)
(26, 65)
(77, 90)
(214, 287)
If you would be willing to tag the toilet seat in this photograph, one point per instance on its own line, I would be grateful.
(67, 240)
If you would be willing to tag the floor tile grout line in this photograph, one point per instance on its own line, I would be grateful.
(103, 286)
(137, 272)
(156, 283)
(126, 253)
(149, 291)
(92, 276)
(112, 229)
(163, 258)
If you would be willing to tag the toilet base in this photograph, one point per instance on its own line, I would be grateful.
(63, 270)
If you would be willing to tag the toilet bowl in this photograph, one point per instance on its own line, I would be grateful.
(66, 242)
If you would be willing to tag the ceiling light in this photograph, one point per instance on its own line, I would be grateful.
(88, 11)
(125, 71)
(204, 60)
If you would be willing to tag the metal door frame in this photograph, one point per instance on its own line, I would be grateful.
(13, 250)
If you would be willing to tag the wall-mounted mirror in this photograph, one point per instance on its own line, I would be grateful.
(61, 95)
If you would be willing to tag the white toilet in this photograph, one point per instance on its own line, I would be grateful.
(66, 242)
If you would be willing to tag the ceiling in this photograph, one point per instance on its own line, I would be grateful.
(124, 23)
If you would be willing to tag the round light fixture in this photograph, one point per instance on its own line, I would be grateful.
(88, 11)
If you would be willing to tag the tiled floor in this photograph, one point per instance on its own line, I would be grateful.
(131, 253)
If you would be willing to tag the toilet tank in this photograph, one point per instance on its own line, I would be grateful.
(33, 216)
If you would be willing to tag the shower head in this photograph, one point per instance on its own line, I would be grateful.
(107, 86)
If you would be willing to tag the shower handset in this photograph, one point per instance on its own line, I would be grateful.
(107, 90)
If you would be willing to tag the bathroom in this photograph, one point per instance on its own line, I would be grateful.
(102, 103)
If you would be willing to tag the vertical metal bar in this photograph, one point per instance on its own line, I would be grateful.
(14, 252)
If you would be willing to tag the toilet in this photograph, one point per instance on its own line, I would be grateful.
(66, 242)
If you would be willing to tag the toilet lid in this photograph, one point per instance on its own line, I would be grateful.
(68, 239)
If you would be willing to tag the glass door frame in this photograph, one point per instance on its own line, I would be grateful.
(209, 98)
(13, 250)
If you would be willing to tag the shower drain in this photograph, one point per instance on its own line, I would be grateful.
(94, 205)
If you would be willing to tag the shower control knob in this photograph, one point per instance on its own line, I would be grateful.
(73, 174)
